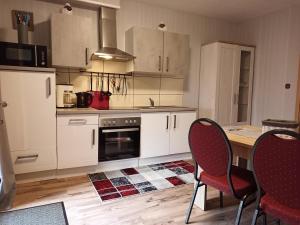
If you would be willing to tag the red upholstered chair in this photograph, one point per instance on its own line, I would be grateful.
(212, 151)
(276, 167)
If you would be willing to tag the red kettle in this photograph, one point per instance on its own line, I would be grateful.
(100, 99)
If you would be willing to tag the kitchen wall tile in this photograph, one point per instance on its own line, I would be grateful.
(171, 86)
(82, 83)
(146, 85)
(121, 101)
(62, 79)
(129, 81)
(171, 100)
(143, 100)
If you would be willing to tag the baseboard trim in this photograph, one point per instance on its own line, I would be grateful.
(102, 166)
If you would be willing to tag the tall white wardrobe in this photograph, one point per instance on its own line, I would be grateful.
(226, 80)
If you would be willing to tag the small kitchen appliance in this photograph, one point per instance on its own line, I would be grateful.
(16, 54)
(64, 96)
(84, 99)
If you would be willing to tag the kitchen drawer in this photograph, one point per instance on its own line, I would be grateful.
(33, 161)
(77, 120)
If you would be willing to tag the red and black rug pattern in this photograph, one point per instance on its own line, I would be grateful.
(134, 181)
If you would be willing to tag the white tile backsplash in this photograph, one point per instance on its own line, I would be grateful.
(164, 91)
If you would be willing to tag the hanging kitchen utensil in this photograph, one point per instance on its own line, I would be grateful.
(125, 85)
(97, 95)
(119, 84)
(91, 81)
(108, 93)
(113, 83)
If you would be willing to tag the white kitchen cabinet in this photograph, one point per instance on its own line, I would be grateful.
(155, 134)
(98, 3)
(179, 131)
(147, 46)
(226, 79)
(30, 119)
(71, 41)
(158, 52)
(165, 133)
(77, 141)
(176, 54)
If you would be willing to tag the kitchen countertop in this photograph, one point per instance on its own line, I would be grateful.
(26, 68)
(73, 111)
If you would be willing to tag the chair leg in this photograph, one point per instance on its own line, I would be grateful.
(264, 219)
(240, 211)
(221, 199)
(255, 216)
(192, 203)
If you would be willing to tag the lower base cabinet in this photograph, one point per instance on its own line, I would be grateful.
(165, 133)
(30, 116)
(77, 141)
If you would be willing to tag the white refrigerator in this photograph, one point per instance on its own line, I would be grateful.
(7, 176)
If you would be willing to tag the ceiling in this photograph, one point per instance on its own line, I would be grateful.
(230, 10)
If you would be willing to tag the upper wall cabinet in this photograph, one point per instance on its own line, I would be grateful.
(70, 41)
(97, 3)
(158, 52)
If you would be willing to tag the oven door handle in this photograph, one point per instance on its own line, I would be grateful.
(120, 130)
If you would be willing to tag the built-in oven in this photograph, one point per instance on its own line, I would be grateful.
(119, 138)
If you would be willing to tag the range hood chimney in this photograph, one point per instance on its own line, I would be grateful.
(108, 38)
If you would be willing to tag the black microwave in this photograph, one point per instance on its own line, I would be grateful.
(14, 54)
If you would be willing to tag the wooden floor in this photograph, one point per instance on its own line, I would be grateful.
(84, 207)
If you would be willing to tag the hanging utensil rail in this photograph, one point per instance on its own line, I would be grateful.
(94, 73)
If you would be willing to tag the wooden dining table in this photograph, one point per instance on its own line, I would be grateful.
(242, 139)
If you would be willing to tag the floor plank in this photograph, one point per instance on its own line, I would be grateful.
(83, 205)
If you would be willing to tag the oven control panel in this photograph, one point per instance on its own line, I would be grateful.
(120, 122)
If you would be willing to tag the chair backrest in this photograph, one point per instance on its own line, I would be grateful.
(210, 147)
(276, 166)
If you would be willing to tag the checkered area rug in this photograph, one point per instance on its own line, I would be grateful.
(134, 181)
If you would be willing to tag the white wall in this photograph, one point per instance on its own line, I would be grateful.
(277, 40)
(201, 30)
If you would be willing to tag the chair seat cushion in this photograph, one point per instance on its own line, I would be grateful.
(242, 180)
(283, 212)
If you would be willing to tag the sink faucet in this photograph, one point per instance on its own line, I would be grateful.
(151, 102)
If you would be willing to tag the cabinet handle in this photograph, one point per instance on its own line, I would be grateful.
(167, 123)
(175, 121)
(93, 137)
(48, 87)
(77, 122)
(3, 104)
(27, 157)
(167, 59)
(86, 56)
(159, 63)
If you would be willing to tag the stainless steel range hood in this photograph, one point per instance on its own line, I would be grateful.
(108, 38)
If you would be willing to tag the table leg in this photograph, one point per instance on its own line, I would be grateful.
(200, 199)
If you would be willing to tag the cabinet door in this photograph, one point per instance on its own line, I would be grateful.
(179, 130)
(176, 54)
(70, 40)
(147, 46)
(77, 144)
(30, 119)
(243, 85)
(155, 129)
(227, 64)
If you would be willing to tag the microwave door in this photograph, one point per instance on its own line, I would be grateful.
(17, 55)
